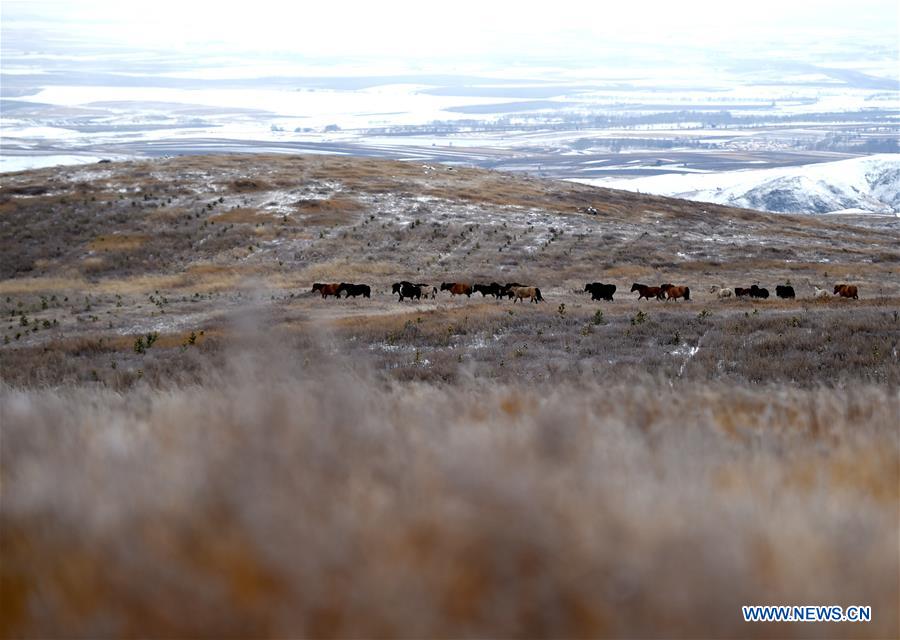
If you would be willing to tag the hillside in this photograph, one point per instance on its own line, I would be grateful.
(197, 445)
(284, 214)
(869, 184)
(206, 229)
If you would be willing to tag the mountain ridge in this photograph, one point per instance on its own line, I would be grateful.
(869, 184)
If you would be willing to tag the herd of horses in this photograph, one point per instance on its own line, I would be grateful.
(406, 290)
(786, 292)
(516, 291)
(663, 292)
(336, 289)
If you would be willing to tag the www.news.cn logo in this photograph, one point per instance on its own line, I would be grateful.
(832, 613)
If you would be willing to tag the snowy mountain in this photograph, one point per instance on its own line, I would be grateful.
(868, 184)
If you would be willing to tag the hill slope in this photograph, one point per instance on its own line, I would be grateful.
(287, 213)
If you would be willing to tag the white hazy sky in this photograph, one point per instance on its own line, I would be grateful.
(459, 27)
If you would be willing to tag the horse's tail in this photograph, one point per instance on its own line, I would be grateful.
(537, 294)
(687, 293)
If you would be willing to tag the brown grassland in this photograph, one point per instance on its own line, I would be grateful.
(192, 444)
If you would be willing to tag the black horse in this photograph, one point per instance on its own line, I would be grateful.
(759, 292)
(354, 290)
(600, 291)
(493, 289)
(785, 291)
(407, 289)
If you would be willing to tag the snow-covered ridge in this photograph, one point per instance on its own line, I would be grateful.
(869, 184)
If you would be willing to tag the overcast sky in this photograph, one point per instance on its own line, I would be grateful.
(459, 28)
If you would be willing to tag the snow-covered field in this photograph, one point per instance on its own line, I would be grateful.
(868, 184)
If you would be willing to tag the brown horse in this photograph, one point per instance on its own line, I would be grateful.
(532, 293)
(646, 292)
(846, 291)
(506, 290)
(333, 289)
(673, 293)
(457, 288)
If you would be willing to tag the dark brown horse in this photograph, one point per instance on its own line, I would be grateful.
(457, 288)
(846, 291)
(673, 293)
(646, 292)
(333, 289)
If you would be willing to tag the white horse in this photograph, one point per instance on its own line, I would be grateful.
(820, 294)
(721, 292)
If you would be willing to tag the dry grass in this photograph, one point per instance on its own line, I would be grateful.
(325, 504)
(336, 210)
(347, 269)
(24, 286)
(242, 216)
(118, 242)
(242, 185)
